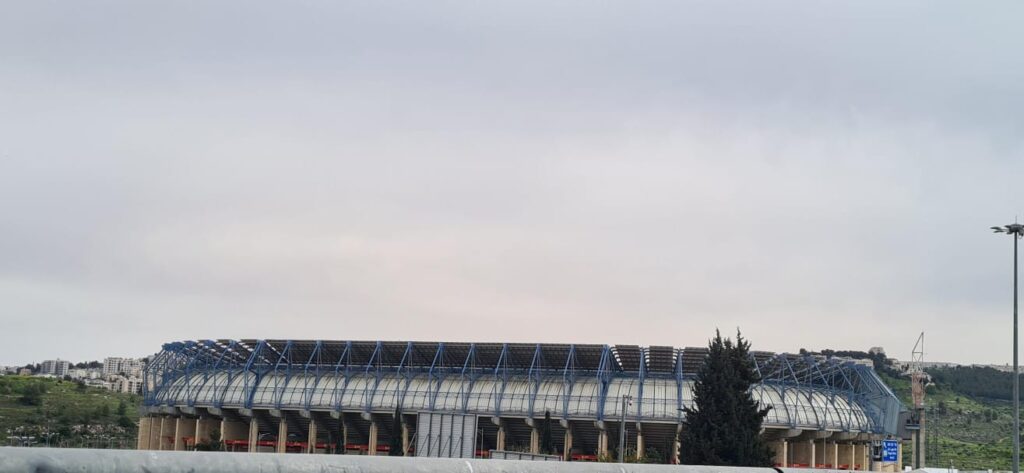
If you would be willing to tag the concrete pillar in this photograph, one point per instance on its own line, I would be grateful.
(803, 453)
(567, 451)
(232, 430)
(830, 455)
(675, 449)
(344, 436)
(282, 435)
(184, 431)
(154, 432)
(254, 435)
(204, 430)
(782, 453)
(899, 457)
(813, 456)
(167, 425)
(639, 444)
(311, 441)
(142, 442)
(534, 440)
(859, 456)
(405, 439)
(602, 444)
(372, 444)
(852, 448)
(501, 436)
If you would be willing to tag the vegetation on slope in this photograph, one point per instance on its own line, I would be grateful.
(59, 412)
(971, 433)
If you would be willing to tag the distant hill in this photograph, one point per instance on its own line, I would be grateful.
(968, 412)
(69, 413)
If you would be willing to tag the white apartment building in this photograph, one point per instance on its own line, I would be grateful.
(112, 365)
(129, 366)
(126, 384)
(57, 367)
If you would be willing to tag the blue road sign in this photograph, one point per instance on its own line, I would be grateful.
(890, 451)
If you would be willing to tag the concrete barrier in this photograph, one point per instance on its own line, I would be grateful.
(54, 460)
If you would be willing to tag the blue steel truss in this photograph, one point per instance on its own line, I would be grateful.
(831, 393)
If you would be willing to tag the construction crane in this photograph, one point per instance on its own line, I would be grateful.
(918, 379)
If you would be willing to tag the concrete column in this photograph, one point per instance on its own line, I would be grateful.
(154, 432)
(254, 435)
(501, 436)
(567, 451)
(534, 441)
(405, 439)
(167, 425)
(204, 430)
(639, 444)
(899, 457)
(185, 429)
(830, 454)
(602, 443)
(142, 442)
(372, 444)
(232, 430)
(852, 448)
(782, 453)
(282, 435)
(803, 453)
(311, 441)
(675, 448)
(859, 456)
(344, 436)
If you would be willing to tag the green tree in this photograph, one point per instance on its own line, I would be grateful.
(122, 408)
(32, 394)
(723, 425)
(124, 422)
(213, 445)
(395, 446)
(547, 447)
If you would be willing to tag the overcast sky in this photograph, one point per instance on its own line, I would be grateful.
(818, 174)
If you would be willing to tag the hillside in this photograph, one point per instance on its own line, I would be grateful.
(973, 433)
(69, 413)
(969, 416)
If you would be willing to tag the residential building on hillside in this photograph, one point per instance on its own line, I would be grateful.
(57, 367)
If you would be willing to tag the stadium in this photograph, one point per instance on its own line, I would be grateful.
(342, 396)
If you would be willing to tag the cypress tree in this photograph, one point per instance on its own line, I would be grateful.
(395, 445)
(547, 447)
(723, 425)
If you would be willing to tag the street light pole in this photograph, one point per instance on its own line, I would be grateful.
(626, 398)
(1016, 232)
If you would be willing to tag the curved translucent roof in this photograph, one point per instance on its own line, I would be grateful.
(516, 380)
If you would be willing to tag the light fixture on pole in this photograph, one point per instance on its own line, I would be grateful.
(1016, 231)
(627, 401)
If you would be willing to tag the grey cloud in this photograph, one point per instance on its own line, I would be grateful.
(820, 177)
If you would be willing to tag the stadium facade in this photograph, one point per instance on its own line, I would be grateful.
(341, 397)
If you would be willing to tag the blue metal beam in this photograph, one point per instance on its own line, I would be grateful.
(469, 374)
(436, 375)
(604, 377)
(568, 379)
(280, 385)
(315, 361)
(344, 359)
(373, 364)
(533, 376)
(500, 379)
(640, 389)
